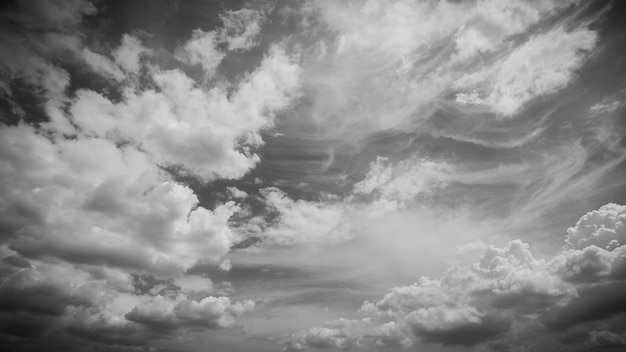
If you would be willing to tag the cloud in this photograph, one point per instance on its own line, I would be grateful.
(605, 340)
(240, 32)
(491, 23)
(102, 65)
(507, 295)
(405, 180)
(592, 264)
(164, 314)
(605, 228)
(129, 53)
(348, 335)
(300, 221)
(322, 337)
(71, 205)
(201, 50)
(225, 265)
(543, 65)
(97, 236)
(215, 134)
(242, 28)
(80, 210)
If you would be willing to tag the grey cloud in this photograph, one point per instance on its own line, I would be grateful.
(166, 315)
(434, 326)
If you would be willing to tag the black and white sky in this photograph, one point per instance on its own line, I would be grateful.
(273, 175)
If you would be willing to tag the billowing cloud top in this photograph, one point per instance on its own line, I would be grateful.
(341, 175)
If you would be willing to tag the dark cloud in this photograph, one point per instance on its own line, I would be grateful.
(462, 333)
(594, 303)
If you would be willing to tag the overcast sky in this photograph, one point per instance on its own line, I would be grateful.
(263, 175)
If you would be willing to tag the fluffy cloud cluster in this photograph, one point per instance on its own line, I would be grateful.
(68, 199)
(349, 334)
(605, 228)
(214, 132)
(161, 313)
(507, 295)
(97, 236)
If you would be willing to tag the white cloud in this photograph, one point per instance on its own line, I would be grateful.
(302, 221)
(235, 192)
(81, 208)
(599, 227)
(471, 305)
(322, 337)
(102, 65)
(172, 314)
(85, 196)
(591, 264)
(242, 28)
(214, 133)
(225, 265)
(405, 180)
(128, 55)
(507, 294)
(347, 334)
(490, 23)
(543, 65)
(201, 50)
(240, 31)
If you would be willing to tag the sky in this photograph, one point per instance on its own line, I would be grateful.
(315, 175)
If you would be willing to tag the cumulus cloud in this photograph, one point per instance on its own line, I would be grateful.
(214, 133)
(605, 228)
(201, 50)
(97, 236)
(322, 337)
(225, 265)
(468, 306)
(80, 209)
(507, 294)
(300, 221)
(164, 314)
(349, 334)
(455, 326)
(102, 65)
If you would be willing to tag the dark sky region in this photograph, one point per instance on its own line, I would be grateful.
(372, 175)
